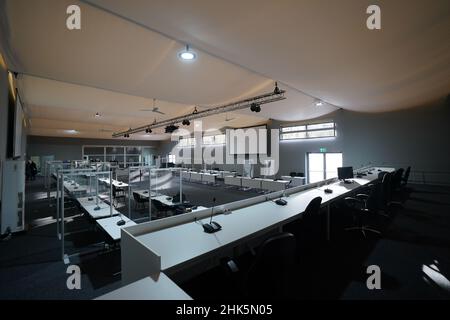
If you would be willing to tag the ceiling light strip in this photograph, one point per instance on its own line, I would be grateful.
(242, 104)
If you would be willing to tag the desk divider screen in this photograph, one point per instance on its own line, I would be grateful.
(138, 260)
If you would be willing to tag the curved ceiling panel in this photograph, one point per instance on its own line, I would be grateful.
(321, 47)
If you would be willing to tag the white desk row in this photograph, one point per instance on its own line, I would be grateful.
(97, 209)
(174, 248)
(257, 183)
(200, 177)
(105, 217)
(109, 225)
(295, 181)
(73, 187)
(116, 183)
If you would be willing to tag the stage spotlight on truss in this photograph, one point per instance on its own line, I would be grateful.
(254, 103)
(255, 107)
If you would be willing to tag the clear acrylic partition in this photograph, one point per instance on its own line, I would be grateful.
(89, 193)
(138, 193)
(166, 192)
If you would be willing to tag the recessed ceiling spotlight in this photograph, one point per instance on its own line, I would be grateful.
(319, 103)
(187, 54)
(97, 115)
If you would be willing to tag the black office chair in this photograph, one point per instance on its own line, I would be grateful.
(293, 174)
(118, 194)
(300, 174)
(396, 188)
(308, 230)
(139, 202)
(159, 207)
(361, 206)
(269, 273)
(405, 177)
(176, 198)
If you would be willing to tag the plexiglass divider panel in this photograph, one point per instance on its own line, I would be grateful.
(90, 194)
(139, 193)
(167, 197)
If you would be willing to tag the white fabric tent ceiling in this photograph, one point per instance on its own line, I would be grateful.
(125, 55)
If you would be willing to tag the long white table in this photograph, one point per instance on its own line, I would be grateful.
(116, 183)
(156, 287)
(144, 193)
(184, 243)
(295, 181)
(247, 182)
(109, 225)
(90, 205)
(209, 177)
(274, 185)
(196, 176)
(233, 181)
(72, 187)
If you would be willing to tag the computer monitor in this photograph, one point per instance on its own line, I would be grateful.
(345, 173)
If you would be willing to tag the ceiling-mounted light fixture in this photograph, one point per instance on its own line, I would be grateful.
(187, 54)
(318, 103)
(276, 90)
(148, 130)
(97, 115)
(186, 122)
(197, 114)
(171, 128)
(255, 107)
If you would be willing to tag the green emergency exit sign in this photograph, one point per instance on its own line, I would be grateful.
(323, 149)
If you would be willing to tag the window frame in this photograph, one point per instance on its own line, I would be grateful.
(288, 130)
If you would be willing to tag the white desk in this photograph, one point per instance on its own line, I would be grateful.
(185, 175)
(209, 178)
(109, 225)
(164, 200)
(196, 176)
(182, 244)
(156, 287)
(116, 183)
(251, 183)
(90, 205)
(144, 193)
(74, 187)
(274, 185)
(233, 181)
(295, 181)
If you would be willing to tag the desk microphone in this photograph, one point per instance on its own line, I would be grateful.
(121, 222)
(212, 226)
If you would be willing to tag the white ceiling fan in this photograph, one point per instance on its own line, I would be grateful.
(227, 119)
(155, 109)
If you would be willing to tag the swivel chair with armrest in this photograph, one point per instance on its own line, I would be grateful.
(360, 206)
